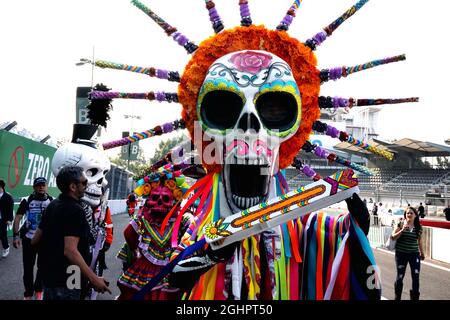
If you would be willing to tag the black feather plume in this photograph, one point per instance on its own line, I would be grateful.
(98, 109)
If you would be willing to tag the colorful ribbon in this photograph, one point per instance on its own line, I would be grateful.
(246, 19)
(343, 136)
(327, 31)
(339, 102)
(332, 157)
(156, 131)
(170, 31)
(150, 71)
(339, 72)
(214, 16)
(289, 17)
(159, 96)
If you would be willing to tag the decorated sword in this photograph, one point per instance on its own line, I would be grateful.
(276, 211)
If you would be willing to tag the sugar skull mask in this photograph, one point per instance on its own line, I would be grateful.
(248, 105)
(159, 203)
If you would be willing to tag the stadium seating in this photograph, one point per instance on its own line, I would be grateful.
(386, 179)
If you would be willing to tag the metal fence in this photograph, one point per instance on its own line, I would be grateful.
(119, 182)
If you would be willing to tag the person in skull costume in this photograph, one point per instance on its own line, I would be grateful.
(83, 152)
(261, 87)
(148, 249)
(253, 93)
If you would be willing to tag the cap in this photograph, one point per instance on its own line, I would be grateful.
(39, 180)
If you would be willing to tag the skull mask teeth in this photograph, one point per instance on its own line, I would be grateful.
(248, 105)
(95, 165)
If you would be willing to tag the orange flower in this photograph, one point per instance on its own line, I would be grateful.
(177, 194)
(154, 184)
(300, 58)
(171, 184)
(146, 189)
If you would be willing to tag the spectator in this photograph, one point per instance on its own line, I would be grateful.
(408, 249)
(32, 208)
(6, 217)
(131, 204)
(421, 211)
(375, 214)
(447, 213)
(63, 236)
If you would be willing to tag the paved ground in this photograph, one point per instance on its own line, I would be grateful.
(434, 281)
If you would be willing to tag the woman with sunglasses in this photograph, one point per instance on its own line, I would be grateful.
(408, 249)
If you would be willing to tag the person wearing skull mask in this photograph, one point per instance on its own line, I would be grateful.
(150, 249)
(255, 94)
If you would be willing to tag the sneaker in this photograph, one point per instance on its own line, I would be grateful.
(27, 298)
(38, 295)
(5, 252)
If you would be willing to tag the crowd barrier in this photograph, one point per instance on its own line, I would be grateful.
(434, 239)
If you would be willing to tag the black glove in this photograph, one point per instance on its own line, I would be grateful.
(222, 254)
(359, 212)
(188, 271)
(106, 246)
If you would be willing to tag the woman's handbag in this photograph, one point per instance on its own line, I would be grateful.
(390, 243)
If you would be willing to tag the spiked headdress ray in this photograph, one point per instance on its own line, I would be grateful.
(299, 55)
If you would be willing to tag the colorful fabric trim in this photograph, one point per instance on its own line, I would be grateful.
(325, 271)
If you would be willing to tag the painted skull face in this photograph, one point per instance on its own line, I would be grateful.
(95, 165)
(160, 201)
(248, 105)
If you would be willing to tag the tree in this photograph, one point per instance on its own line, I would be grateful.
(443, 162)
(136, 166)
(165, 146)
(140, 167)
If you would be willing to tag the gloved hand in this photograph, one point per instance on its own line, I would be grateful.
(222, 254)
(188, 271)
(106, 246)
(359, 212)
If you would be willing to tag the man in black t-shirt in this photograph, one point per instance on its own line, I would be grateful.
(421, 211)
(63, 238)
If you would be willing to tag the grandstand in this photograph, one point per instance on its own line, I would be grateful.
(407, 179)
(397, 182)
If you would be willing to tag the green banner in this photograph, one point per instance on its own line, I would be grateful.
(21, 161)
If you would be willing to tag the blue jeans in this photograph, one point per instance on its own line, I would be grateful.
(401, 261)
(62, 294)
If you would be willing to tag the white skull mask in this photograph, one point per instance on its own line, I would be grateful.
(95, 165)
(248, 105)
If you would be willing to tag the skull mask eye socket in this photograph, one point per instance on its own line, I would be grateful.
(220, 109)
(91, 172)
(278, 110)
(165, 198)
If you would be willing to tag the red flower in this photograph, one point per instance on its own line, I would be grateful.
(250, 61)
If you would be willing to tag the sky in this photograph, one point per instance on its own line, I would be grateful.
(41, 41)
